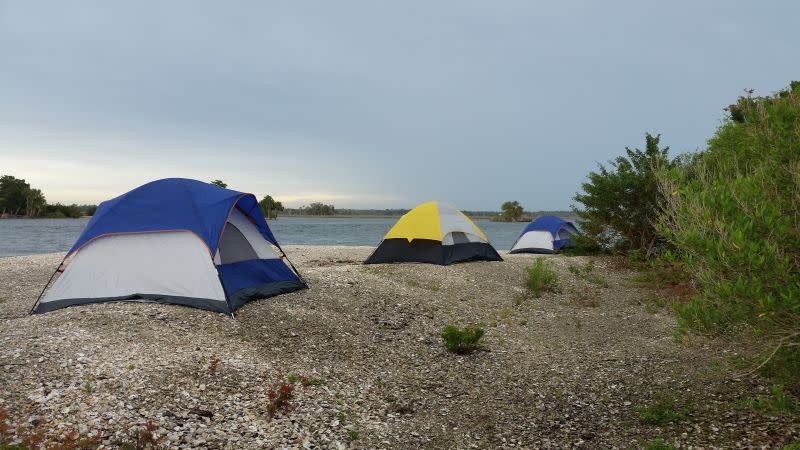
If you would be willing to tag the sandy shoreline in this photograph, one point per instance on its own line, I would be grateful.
(567, 369)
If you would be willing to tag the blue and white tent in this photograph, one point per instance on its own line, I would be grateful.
(545, 234)
(174, 241)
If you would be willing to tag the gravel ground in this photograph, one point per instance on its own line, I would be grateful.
(569, 369)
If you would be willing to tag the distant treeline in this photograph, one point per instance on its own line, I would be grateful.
(19, 199)
(319, 209)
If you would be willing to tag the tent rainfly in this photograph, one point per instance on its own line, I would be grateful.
(545, 234)
(434, 233)
(174, 241)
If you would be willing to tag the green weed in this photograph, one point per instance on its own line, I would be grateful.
(664, 409)
(542, 278)
(777, 403)
(794, 445)
(462, 341)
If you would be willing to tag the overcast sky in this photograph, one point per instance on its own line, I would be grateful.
(371, 103)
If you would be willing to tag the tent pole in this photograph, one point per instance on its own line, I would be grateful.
(46, 285)
(292, 266)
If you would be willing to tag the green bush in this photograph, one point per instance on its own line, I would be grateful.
(59, 211)
(733, 214)
(462, 341)
(541, 277)
(583, 245)
(621, 203)
(777, 403)
(794, 445)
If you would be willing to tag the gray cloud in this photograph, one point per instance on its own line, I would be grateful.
(371, 103)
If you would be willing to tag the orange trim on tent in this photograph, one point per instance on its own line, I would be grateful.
(119, 233)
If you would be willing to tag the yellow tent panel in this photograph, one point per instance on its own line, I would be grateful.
(421, 222)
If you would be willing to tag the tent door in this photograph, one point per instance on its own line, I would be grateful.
(234, 247)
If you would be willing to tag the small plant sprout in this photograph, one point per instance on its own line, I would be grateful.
(311, 381)
(352, 435)
(142, 438)
(305, 381)
(279, 398)
(462, 341)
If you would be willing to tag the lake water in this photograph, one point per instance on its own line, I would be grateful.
(33, 236)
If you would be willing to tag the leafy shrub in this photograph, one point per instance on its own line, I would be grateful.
(777, 403)
(462, 341)
(279, 398)
(58, 211)
(583, 245)
(733, 214)
(794, 445)
(141, 439)
(541, 277)
(664, 409)
(621, 203)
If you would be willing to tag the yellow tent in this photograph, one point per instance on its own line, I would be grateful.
(434, 233)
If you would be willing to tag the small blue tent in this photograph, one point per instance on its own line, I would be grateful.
(174, 241)
(545, 234)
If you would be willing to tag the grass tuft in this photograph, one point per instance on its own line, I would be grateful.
(777, 403)
(462, 341)
(664, 409)
(541, 278)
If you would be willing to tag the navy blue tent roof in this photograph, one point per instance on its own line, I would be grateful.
(173, 204)
(549, 223)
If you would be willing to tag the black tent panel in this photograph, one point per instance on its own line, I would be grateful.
(469, 251)
(430, 251)
(401, 250)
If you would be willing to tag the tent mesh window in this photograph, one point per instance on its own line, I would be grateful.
(234, 247)
(459, 237)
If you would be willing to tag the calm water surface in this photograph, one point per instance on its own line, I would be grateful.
(32, 236)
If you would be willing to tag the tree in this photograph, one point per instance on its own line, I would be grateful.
(59, 211)
(220, 183)
(13, 194)
(35, 203)
(270, 207)
(511, 211)
(622, 202)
